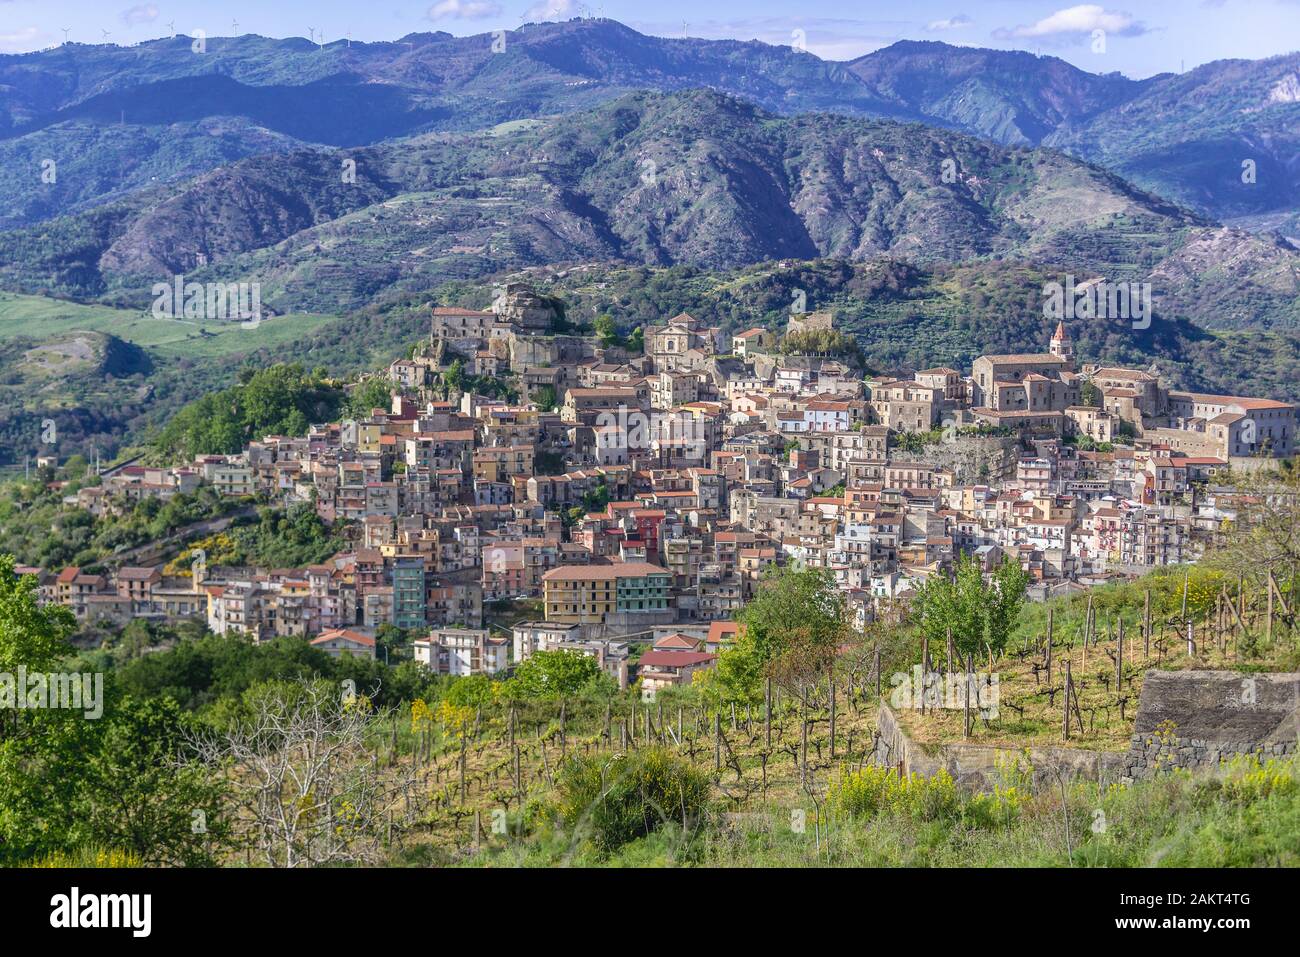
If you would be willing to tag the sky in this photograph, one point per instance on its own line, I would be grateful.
(1138, 37)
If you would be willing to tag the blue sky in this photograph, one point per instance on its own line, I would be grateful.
(1142, 36)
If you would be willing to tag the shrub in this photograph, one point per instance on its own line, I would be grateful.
(1248, 781)
(612, 801)
(96, 857)
(875, 790)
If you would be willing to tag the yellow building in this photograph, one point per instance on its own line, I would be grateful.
(589, 594)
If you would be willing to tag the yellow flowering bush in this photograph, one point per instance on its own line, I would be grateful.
(89, 857)
(422, 715)
(874, 790)
(219, 549)
(454, 718)
(1248, 781)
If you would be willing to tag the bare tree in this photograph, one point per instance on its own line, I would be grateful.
(1265, 537)
(306, 789)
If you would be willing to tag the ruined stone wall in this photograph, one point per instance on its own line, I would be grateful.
(973, 459)
(549, 350)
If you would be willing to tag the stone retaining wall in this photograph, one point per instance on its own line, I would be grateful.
(1199, 719)
(1185, 719)
(978, 766)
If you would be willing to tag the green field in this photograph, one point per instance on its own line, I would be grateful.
(40, 317)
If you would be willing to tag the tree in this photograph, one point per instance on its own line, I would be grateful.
(553, 675)
(606, 330)
(373, 393)
(121, 780)
(141, 789)
(737, 677)
(978, 614)
(789, 600)
(281, 399)
(454, 377)
(470, 691)
(797, 617)
(820, 342)
(305, 790)
(544, 397)
(31, 636)
(636, 341)
(1265, 534)
(392, 640)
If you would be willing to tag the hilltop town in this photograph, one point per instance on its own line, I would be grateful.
(629, 501)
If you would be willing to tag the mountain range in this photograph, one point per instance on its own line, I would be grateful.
(694, 177)
(122, 118)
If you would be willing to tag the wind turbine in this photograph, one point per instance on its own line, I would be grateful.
(66, 31)
(106, 34)
(312, 31)
(234, 26)
(171, 25)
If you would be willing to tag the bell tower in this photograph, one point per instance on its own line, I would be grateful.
(1062, 346)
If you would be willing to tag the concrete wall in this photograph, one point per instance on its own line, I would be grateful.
(977, 766)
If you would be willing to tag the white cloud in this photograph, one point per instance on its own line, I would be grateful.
(550, 10)
(951, 23)
(140, 13)
(1080, 20)
(463, 10)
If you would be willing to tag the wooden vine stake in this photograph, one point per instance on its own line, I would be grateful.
(1146, 625)
(1119, 656)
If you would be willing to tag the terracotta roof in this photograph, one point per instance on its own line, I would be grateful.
(131, 573)
(1251, 405)
(678, 640)
(599, 572)
(346, 635)
(1019, 357)
(722, 630)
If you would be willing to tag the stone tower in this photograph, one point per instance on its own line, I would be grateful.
(1062, 346)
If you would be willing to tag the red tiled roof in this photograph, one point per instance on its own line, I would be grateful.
(343, 633)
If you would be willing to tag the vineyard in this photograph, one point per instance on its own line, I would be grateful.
(687, 777)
